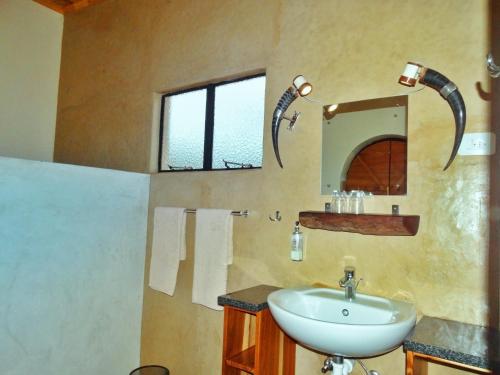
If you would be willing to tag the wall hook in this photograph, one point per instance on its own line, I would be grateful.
(493, 69)
(277, 216)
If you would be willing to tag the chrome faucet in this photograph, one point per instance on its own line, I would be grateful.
(349, 283)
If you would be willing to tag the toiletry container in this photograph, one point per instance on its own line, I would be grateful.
(297, 244)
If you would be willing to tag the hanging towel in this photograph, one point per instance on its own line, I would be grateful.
(169, 247)
(213, 252)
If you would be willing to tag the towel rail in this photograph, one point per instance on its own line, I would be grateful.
(234, 213)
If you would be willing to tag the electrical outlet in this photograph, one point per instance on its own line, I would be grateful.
(477, 144)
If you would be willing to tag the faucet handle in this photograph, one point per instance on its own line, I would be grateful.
(360, 279)
(349, 272)
(348, 275)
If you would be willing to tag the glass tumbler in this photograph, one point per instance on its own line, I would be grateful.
(356, 205)
(336, 206)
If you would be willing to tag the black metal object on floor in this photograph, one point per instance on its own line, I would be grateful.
(151, 370)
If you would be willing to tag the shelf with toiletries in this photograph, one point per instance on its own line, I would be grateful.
(369, 224)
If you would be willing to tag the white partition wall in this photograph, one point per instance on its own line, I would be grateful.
(72, 247)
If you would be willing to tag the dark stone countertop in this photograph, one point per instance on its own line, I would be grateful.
(455, 341)
(252, 299)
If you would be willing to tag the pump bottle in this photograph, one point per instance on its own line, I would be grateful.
(297, 244)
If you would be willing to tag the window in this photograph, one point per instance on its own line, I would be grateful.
(217, 126)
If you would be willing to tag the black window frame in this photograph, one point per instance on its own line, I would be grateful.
(209, 126)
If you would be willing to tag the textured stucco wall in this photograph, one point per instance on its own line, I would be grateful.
(118, 54)
(30, 55)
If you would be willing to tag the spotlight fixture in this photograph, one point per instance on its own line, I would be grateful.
(329, 111)
(300, 87)
(414, 73)
(303, 87)
(331, 108)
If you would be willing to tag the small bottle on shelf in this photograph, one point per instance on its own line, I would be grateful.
(297, 244)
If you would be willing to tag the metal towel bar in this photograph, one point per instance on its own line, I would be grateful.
(234, 213)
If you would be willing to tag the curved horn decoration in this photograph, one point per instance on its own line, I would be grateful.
(447, 89)
(286, 99)
(450, 92)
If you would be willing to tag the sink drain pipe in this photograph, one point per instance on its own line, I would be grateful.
(368, 372)
(338, 365)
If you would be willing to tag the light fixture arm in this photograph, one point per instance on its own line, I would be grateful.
(292, 120)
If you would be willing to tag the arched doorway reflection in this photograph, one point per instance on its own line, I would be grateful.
(377, 166)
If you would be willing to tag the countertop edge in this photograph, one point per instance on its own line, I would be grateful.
(252, 299)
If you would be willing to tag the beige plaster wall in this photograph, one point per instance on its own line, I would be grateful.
(30, 55)
(118, 54)
(105, 92)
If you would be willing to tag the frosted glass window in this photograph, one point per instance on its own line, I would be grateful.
(238, 123)
(184, 130)
(205, 126)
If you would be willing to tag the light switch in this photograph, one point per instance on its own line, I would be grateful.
(477, 144)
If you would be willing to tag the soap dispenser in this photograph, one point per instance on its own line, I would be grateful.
(297, 244)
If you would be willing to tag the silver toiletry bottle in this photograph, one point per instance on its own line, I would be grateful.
(297, 244)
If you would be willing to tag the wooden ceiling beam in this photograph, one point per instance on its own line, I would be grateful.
(79, 4)
(51, 5)
(71, 5)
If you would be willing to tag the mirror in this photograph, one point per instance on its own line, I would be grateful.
(364, 146)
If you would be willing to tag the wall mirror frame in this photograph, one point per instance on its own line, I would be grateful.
(364, 146)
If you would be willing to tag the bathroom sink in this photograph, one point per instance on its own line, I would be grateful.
(324, 320)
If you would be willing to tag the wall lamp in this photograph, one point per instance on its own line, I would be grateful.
(414, 73)
(300, 87)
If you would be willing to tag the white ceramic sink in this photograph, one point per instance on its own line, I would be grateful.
(324, 320)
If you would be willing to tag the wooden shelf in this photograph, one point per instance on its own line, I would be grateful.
(373, 224)
(416, 364)
(244, 360)
(258, 353)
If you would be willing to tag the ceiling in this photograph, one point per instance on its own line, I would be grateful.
(66, 6)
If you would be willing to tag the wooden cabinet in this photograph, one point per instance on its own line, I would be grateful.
(254, 343)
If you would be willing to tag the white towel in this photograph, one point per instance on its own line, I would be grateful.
(169, 247)
(213, 252)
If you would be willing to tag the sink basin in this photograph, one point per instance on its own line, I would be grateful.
(322, 319)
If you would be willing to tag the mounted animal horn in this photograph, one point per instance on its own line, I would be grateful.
(300, 87)
(415, 72)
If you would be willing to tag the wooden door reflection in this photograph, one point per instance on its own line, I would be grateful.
(379, 168)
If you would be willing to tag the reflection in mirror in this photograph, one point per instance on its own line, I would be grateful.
(364, 146)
